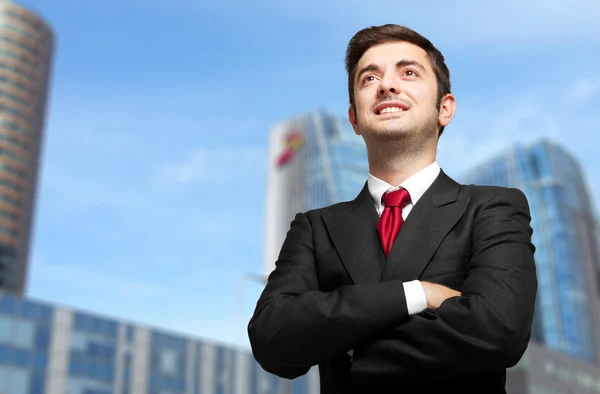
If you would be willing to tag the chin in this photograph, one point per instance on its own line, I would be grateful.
(389, 135)
(392, 128)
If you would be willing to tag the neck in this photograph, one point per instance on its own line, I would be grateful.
(393, 164)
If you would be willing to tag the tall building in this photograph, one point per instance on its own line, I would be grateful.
(56, 350)
(26, 46)
(565, 236)
(315, 160)
(563, 355)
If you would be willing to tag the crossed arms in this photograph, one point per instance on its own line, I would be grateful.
(296, 326)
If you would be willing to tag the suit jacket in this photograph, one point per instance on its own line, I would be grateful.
(333, 290)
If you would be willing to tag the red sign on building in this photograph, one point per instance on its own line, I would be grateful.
(293, 142)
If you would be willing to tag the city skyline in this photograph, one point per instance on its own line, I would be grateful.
(140, 117)
(131, 197)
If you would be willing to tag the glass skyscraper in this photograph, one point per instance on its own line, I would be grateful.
(315, 160)
(567, 309)
(47, 349)
(26, 47)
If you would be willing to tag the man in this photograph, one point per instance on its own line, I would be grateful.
(420, 284)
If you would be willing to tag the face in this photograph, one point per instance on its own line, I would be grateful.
(395, 93)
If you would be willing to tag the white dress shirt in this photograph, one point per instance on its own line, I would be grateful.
(416, 186)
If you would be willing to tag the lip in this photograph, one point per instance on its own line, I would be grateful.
(389, 104)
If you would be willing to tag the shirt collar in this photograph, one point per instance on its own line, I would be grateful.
(416, 185)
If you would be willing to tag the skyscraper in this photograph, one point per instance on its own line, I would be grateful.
(26, 47)
(315, 160)
(568, 307)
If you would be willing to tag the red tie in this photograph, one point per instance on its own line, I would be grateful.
(391, 220)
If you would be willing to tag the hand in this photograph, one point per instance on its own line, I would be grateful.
(436, 294)
(350, 352)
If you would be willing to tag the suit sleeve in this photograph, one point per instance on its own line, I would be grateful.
(489, 325)
(296, 326)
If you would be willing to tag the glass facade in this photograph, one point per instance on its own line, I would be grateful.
(336, 160)
(168, 364)
(53, 350)
(315, 160)
(24, 346)
(564, 235)
(92, 355)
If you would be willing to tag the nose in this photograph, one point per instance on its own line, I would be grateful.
(387, 86)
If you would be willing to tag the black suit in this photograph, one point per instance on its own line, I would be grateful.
(333, 290)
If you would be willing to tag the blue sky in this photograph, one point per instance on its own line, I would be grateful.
(152, 192)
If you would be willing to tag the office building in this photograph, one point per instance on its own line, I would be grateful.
(51, 349)
(565, 237)
(26, 46)
(314, 160)
(563, 354)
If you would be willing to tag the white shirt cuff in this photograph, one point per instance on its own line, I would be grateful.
(415, 297)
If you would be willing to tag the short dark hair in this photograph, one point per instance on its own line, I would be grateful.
(374, 35)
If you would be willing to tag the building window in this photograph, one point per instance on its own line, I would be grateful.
(168, 362)
(19, 31)
(6, 329)
(23, 59)
(13, 126)
(29, 21)
(25, 334)
(14, 79)
(32, 51)
(9, 231)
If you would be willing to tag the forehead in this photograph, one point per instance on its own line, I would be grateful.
(392, 52)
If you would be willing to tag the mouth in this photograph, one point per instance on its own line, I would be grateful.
(390, 107)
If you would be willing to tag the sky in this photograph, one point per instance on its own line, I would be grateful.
(151, 197)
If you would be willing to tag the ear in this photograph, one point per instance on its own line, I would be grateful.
(447, 109)
(352, 118)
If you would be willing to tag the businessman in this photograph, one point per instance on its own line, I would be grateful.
(418, 285)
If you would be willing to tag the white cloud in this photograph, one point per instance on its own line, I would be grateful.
(212, 166)
(583, 90)
(191, 170)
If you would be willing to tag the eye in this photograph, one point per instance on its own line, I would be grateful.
(368, 78)
(410, 72)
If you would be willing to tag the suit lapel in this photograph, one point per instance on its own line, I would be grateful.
(354, 235)
(434, 215)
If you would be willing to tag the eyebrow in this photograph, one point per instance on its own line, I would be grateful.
(400, 64)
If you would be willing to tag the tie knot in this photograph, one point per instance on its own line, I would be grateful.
(397, 198)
